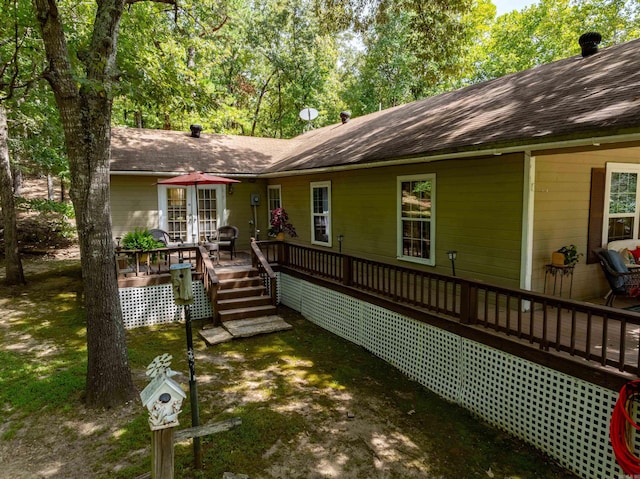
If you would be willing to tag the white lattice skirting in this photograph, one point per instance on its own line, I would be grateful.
(154, 305)
(566, 417)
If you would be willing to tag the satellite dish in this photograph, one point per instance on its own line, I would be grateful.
(308, 114)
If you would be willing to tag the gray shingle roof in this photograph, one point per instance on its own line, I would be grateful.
(569, 99)
(572, 98)
(134, 149)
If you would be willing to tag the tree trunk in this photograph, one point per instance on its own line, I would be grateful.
(50, 192)
(13, 263)
(85, 112)
(17, 181)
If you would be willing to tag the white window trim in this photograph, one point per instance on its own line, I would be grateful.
(431, 261)
(314, 185)
(270, 188)
(619, 168)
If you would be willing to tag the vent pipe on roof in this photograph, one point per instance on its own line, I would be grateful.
(344, 116)
(589, 43)
(195, 131)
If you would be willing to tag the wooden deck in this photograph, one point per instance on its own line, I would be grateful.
(585, 332)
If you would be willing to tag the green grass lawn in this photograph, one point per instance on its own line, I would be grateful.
(312, 405)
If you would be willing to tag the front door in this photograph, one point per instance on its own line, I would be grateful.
(190, 213)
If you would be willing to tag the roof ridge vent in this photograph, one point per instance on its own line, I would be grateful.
(589, 43)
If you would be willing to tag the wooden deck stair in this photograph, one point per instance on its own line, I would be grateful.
(241, 295)
(244, 307)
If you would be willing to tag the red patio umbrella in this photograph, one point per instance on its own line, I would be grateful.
(197, 178)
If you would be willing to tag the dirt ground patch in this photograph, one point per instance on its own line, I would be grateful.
(39, 233)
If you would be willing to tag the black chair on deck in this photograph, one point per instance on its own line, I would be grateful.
(622, 280)
(164, 237)
(226, 239)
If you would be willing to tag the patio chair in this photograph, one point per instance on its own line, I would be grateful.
(622, 281)
(226, 239)
(163, 236)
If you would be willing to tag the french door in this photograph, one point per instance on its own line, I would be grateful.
(190, 213)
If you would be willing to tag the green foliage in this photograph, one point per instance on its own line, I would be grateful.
(571, 255)
(46, 206)
(245, 68)
(140, 239)
(533, 36)
(57, 223)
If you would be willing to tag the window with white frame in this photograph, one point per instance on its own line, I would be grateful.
(621, 212)
(416, 218)
(274, 198)
(321, 213)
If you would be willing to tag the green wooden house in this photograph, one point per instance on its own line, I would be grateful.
(503, 172)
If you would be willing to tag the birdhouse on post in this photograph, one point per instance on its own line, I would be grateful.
(163, 396)
(181, 283)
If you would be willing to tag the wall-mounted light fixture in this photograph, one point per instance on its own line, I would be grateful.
(452, 255)
(340, 239)
(230, 188)
(118, 238)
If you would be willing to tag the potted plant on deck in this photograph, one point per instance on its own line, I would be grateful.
(280, 224)
(566, 256)
(141, 239)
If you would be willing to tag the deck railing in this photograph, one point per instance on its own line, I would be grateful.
(261, 263)
(596, 333)
(137, 264)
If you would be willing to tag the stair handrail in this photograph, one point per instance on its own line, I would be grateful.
(259, 261)
(210, 278)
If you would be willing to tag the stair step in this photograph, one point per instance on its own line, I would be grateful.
(239, 282)
(260, 325)
(230, 273)
(249, 291)
(244, 313)
(243, 302)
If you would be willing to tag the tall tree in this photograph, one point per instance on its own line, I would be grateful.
(18, 67)
(14, 270)
(84, 98)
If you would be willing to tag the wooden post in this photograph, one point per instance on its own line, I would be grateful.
(162, 455)
(346, 270)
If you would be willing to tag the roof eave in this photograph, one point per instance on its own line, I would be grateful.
(483, 150)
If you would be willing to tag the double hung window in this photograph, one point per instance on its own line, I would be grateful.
(621, 211)
(321, 213)
(274, 198)
(416, 218)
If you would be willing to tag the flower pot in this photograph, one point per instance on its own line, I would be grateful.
(280, 236)
(557, 259)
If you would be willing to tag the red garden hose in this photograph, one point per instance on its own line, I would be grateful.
(619, 431)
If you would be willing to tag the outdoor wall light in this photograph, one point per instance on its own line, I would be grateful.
(340, 239)
(230, 188)
(452, 255)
